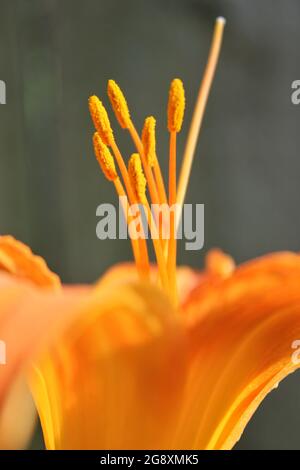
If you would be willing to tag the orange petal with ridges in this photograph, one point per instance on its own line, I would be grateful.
(241, 332)
(115, 379)
(17, 259)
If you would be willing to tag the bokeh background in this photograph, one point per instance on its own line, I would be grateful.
(54, 54)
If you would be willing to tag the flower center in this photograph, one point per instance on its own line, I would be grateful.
(142, 180)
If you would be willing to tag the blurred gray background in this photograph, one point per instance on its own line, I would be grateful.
(54, 54)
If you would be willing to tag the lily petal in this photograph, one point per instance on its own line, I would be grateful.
(241, 332)
(115, 379)
(18, 260)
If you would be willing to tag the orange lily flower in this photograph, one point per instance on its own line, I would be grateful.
(151, 357)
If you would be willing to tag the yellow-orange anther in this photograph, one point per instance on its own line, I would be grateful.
(119, 104)
(176, 105)
(101, 120)
(104, 157)
(137, 177)
(148, 139)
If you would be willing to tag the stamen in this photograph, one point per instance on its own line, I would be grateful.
(176, 105)
(107, 164)
(133, 200)
(148, 172)
(101, 120)
(120, 107)
(118, 103)
(104, 157)
(144, 171)
(199, 110)
(149, 144)
(138, 180)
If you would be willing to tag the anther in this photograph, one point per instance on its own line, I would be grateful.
(176, 105)
(119, 104)
(148, 139)
(137, 177)
(101, 120)
(104, 157)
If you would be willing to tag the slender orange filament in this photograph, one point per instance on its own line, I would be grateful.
(123, 169)
(172, 248)
(132, 199)
(154, 195)
(139, 182)
(163, 201)
(149, 145)
(106, 162)
(199, 110)
(140, 260)
(160, 182)
(161, 262)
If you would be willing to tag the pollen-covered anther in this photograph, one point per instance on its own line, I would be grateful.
(137, 177)
(176, 105)
(101, 120)
(104, 158)
(119, 104)
(149, 141)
